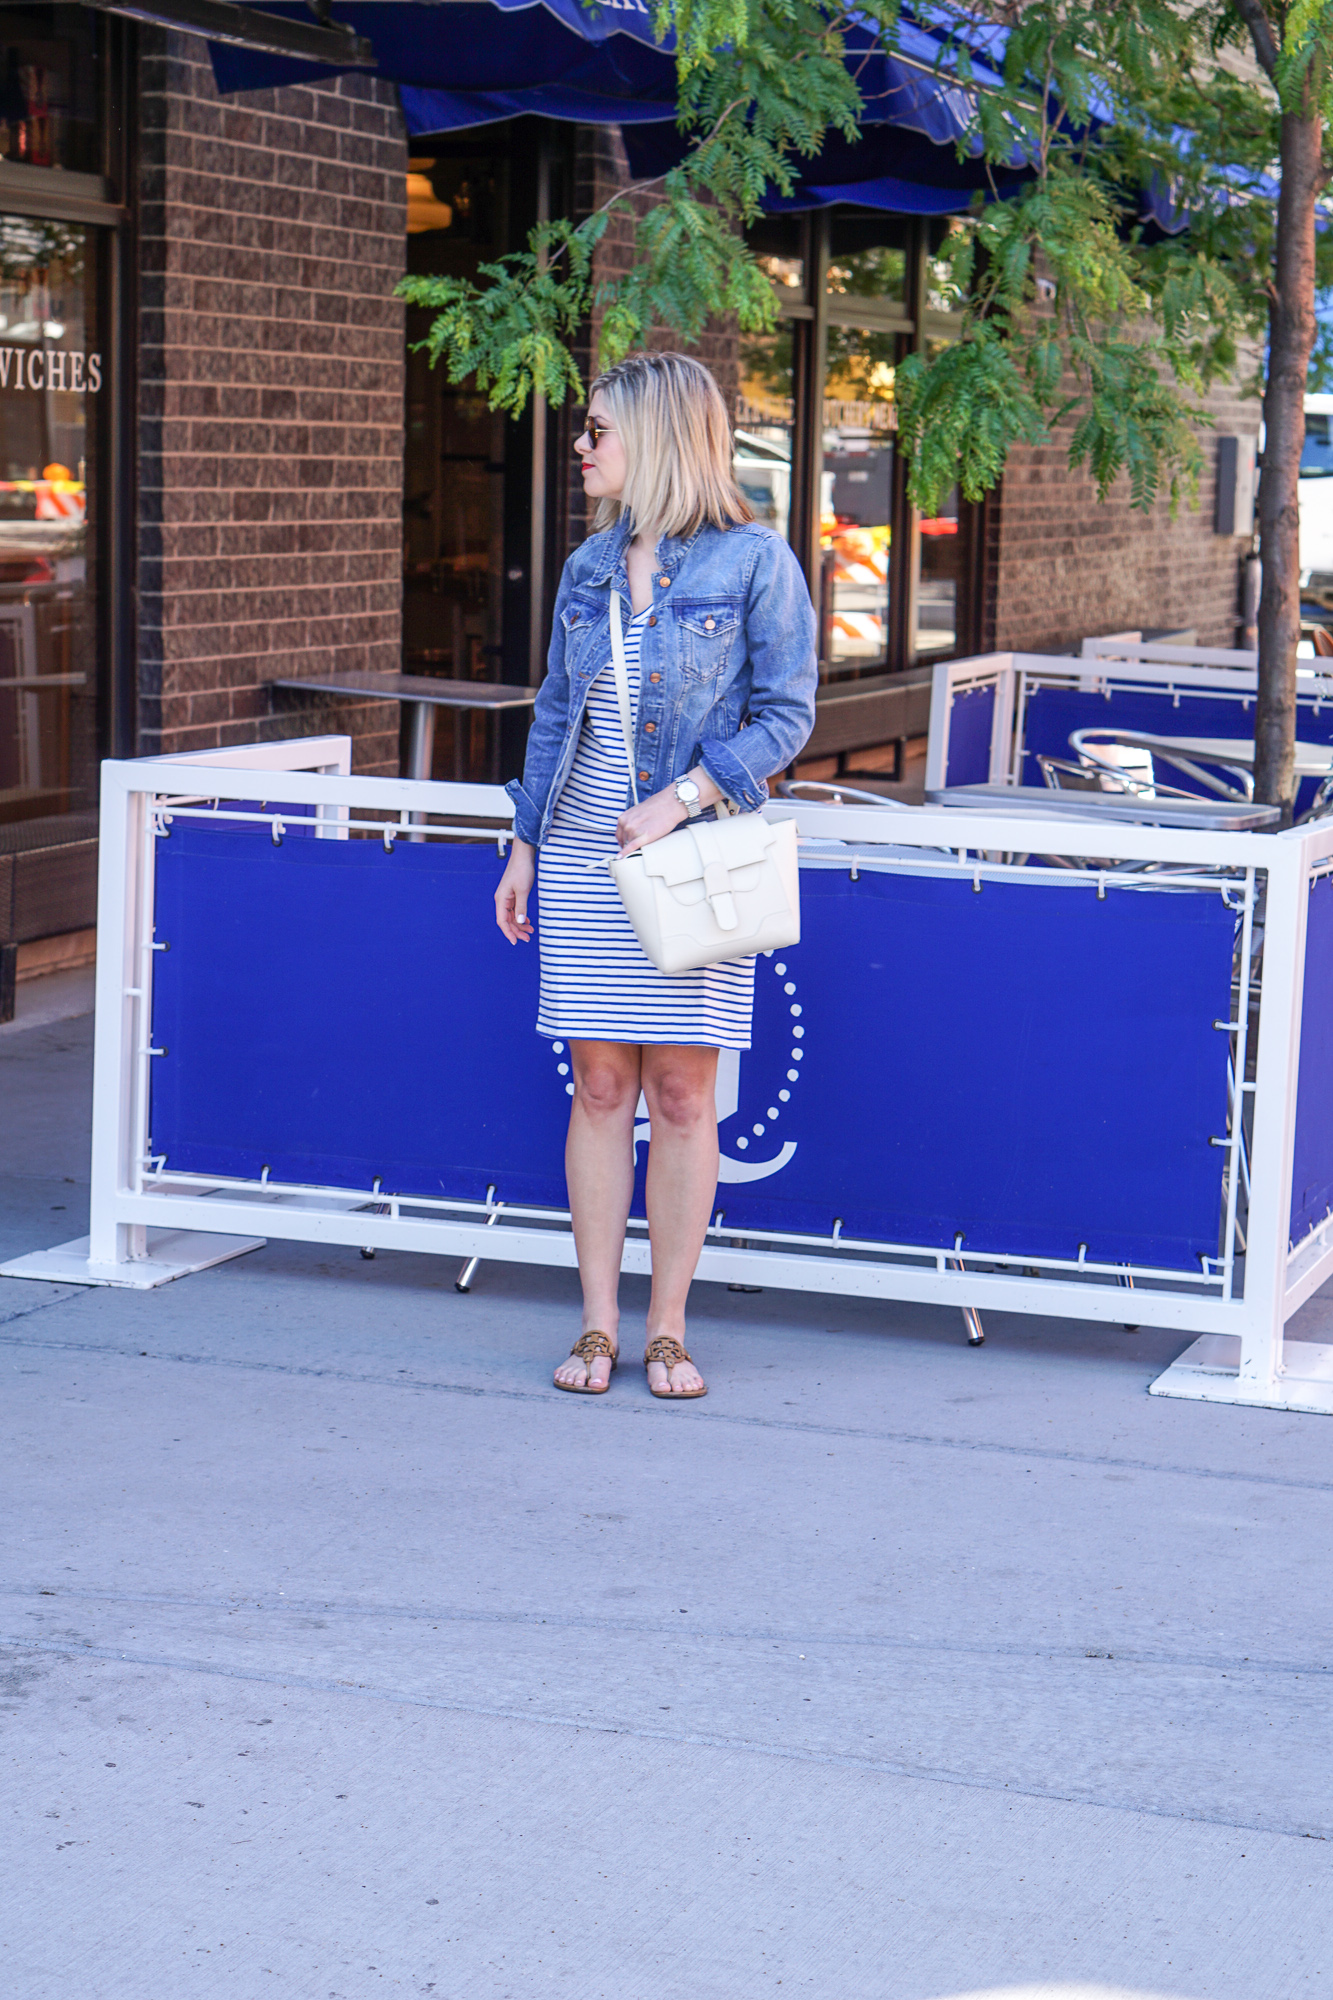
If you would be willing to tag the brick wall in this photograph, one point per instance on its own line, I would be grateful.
(1061, 568)
(271, 403)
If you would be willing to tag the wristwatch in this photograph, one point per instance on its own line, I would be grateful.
(688, 793)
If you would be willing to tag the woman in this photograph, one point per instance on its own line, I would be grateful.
(720, 647)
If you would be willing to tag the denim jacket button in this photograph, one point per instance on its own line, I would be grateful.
(654, 677)
(649, 728)
(652, 621)
(709, 623)
(664, 581)
(644, 776)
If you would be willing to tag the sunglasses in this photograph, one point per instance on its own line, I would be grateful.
(594, 430)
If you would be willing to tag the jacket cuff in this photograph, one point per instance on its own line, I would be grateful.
(732, 777)
(527, 819)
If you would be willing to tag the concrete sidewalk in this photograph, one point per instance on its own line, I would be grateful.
(894, 1670)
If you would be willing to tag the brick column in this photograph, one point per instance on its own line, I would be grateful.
(271, 403)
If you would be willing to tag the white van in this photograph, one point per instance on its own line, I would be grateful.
(1317, 496)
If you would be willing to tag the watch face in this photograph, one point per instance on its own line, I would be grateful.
(687, 791)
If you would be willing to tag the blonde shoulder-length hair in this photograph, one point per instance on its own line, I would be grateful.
(678, 448)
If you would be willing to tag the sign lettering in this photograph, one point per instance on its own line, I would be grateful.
(50, 368)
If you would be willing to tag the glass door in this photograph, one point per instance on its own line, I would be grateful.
(50, 378)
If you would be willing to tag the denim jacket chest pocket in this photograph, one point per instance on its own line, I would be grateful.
(580, 618)
(708, 635)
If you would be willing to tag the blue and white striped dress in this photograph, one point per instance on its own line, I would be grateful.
(598, 984)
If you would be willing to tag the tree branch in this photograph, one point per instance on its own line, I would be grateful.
(696, 145)
(1255, 16)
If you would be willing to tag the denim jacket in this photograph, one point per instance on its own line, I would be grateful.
(727, 660)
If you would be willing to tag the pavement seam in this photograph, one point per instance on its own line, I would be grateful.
(789, 1753)
(62, 1297)
(631, 1628)
(552, 1399)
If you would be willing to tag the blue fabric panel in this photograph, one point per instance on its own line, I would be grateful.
(334, 1012)
(431, 112)
(1028, 1065)
(1051, 714)
(1312, 1163)
(971, 719)
(888, 167)
(473, 45)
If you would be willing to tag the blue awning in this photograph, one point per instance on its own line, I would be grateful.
(469, 63)
(487, 46)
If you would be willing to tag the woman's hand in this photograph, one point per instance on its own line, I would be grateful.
(651, 819)
(655, 817)
(511, 898)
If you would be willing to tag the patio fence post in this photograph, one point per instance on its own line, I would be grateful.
(1276, 1079)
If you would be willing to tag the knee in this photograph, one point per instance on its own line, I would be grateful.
(681, 1099)
(603, 1090)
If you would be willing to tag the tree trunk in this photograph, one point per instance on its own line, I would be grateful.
(1291, 323)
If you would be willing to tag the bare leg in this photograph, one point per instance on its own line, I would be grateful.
(599, 1169)
(679, 1084)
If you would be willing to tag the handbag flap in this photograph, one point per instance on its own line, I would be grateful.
(744, 841)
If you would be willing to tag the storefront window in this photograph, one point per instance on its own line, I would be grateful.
(856, 496)
(868, 258)
(50, 376)
(939, 579)
(453, 526)
(48, 90)
(764, 426)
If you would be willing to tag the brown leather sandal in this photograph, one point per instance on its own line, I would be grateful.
(590, 1347)
(668, 1351)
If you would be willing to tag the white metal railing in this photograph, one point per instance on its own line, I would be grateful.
(1238, 1303)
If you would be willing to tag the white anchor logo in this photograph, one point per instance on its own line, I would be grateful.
(728, 1095)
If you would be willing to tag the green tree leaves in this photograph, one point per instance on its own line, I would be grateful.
(761, 82)
(960, 415)
(1077, 309)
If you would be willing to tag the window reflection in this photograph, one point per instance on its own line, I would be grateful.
(856, 496)
(778, 243)
(764, 414)
(787, 273)
(868, 258)
(939, 576)
(48, 91)
(48, 375)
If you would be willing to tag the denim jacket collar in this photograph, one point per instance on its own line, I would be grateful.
(668, 556)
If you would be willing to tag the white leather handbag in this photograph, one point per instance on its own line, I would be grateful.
(712, 890)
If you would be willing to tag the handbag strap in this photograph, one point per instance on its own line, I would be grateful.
(708, 845)
(621, 672)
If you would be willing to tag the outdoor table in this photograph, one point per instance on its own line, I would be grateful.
(421, 695)
(1214, 815)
